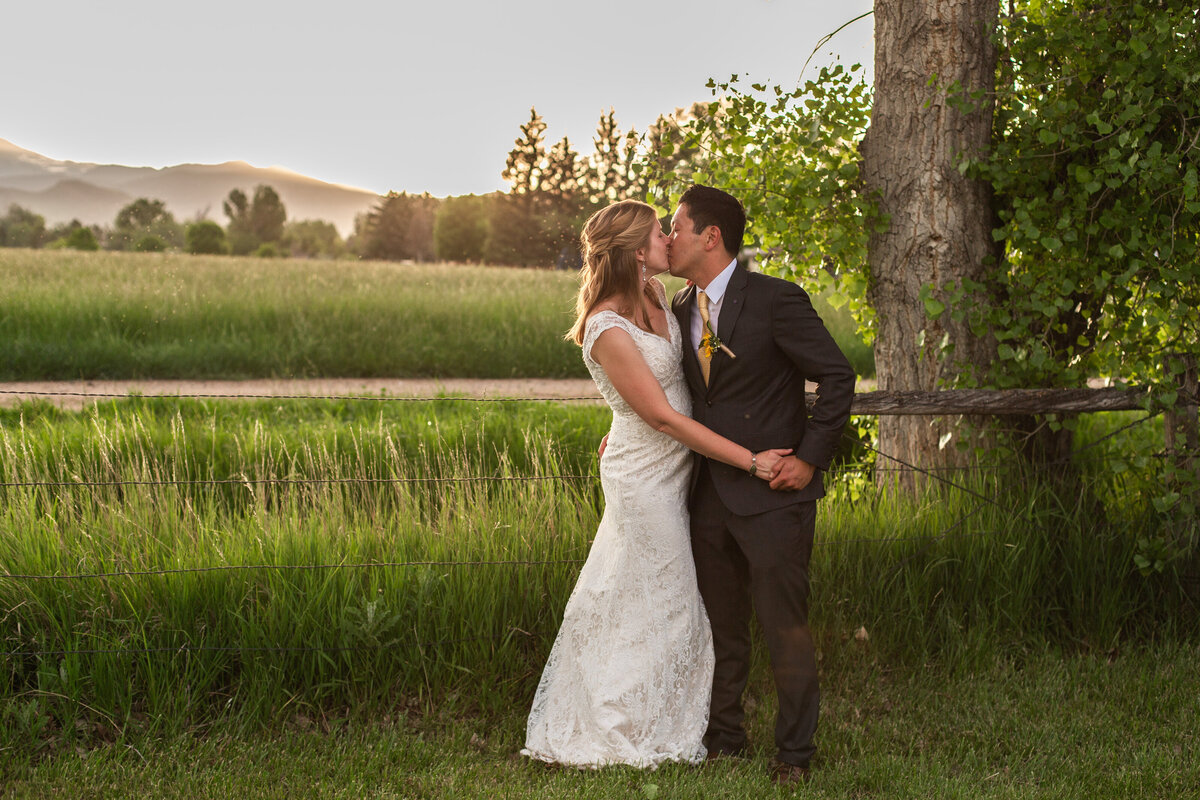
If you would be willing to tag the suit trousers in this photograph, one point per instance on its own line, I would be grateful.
(760, 562)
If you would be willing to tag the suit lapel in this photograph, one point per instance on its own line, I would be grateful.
(731, 308)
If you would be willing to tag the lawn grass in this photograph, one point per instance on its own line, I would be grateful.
(67, 315)
(1045, 725)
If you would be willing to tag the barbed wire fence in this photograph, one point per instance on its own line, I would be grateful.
(936, 474)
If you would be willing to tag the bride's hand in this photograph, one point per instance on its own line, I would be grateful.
(767, 462)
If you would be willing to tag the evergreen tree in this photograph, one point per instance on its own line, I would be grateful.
(610, 174)
(400, 228)
(460, 228)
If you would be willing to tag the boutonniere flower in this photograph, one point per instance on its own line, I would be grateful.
(711, 344)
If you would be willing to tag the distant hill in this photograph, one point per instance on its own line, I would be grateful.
(93, 193)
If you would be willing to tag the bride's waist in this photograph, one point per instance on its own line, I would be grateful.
(635, 436)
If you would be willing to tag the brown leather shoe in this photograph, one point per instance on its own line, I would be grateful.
(784, 774)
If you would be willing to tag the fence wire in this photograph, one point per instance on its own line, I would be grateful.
(181, 649)
(296, 481)
(366, 398)
(934, 473)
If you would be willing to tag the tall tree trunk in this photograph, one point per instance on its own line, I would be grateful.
(929, 55)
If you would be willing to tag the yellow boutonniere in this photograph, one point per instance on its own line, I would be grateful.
(711, 344)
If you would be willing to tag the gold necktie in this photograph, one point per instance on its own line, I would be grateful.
(702, 352)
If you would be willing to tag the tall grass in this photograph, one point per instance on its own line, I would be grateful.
(293, 596)
(71, 315)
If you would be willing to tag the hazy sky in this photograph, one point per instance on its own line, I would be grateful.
(411, 96)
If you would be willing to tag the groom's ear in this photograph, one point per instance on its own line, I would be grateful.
(712, 237)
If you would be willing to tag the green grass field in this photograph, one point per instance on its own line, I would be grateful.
(68, 315)
(1050, 726)
(355, 598)
(251, 597)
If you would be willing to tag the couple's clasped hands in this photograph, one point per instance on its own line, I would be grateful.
(778, 467)
(783, 470)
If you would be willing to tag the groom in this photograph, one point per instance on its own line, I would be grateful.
(751, 544)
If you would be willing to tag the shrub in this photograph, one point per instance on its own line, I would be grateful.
(82, 239)
(205, 238)
(149, 244)
(267, 250)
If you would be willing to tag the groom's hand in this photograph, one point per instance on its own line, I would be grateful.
(603, 446)
(792, 473)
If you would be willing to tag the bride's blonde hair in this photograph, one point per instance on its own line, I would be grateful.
(610, 266)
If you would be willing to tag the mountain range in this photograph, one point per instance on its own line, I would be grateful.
(93, 193)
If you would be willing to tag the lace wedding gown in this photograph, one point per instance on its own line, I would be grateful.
(629, 676)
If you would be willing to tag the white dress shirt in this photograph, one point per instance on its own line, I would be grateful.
(716, 293)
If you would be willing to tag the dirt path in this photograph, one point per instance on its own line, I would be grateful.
(76, 394)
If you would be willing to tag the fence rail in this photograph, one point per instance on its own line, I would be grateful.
(999, 401)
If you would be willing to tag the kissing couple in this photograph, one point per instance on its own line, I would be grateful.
(711, 472)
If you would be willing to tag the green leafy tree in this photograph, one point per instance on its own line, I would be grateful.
(267, 215)
(312, 238)
(1090, 268)
(254, 222)
(141, 213)
(1094, 163)
(460, 229)
(205, 238)
(791, 156)
(144, 219)
(21, 227)
(1096, 168)
(672, 155)
(240, 233)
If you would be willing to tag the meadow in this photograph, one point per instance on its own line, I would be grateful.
(355, 597)
(198, 575)
(68, 315)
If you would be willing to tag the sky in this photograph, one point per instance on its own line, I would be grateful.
(399, 95)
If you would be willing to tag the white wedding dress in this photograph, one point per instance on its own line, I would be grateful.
(629, 676)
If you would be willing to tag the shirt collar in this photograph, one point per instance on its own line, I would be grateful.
(718, 285)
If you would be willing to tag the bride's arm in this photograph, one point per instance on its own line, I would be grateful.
(615, 350)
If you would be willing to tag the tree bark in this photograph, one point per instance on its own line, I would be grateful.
(929, 55)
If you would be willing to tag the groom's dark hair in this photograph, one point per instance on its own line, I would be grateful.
(709, 206)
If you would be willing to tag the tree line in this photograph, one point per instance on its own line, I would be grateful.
(553, 189)
(536, 223)
(257, 225)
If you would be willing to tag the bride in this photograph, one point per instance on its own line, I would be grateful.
(629, 676)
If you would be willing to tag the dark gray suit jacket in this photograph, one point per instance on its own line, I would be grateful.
(758, 399)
